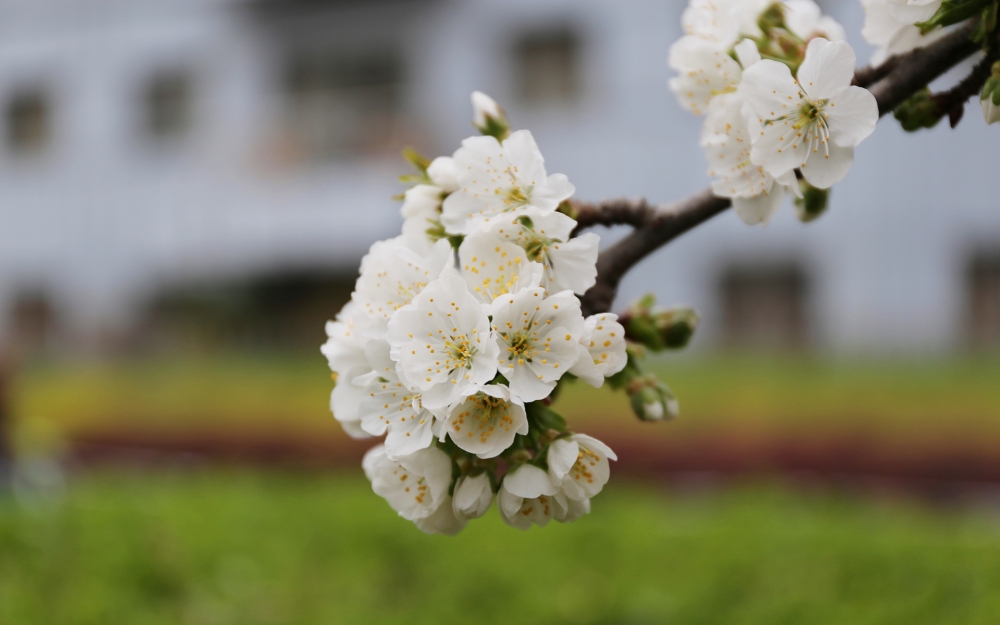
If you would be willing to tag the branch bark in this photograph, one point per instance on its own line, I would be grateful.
(656, 226)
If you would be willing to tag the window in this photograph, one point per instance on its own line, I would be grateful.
(764, 308)
(28, 122)
(546, 67)
(168, 105)
(344, 104)
(983, 284)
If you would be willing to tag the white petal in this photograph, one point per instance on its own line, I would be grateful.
(442, 521)
(760, 208)
(528, 481)
(852, 115)
(561, 458)
(573, 264)
(828, 68)
(823, 171)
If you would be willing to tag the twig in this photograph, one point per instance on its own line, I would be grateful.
(656, 226)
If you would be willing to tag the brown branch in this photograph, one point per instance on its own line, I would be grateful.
(657, 226)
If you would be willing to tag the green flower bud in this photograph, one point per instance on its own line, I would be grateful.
(659, 329)
(676, 326)
(652, 400)
(920, 111)
(813, 202)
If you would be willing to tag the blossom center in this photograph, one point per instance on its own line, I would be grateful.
(460, 353)
(486, 415)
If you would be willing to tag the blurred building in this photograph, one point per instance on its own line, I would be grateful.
(219, 166)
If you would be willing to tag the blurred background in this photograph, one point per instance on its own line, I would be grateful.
(186, 190)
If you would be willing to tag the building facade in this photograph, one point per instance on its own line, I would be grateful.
(149, 145)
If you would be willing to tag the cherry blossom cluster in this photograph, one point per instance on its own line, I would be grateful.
(459, 332)
(774, 82)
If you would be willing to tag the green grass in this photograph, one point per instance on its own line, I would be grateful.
(926, 401)
(246, 548)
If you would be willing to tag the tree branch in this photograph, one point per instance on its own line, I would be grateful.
(657, 226)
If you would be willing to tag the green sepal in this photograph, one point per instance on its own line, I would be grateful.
(813, 202)
(952, 12)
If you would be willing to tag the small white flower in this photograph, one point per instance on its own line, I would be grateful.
(392, 274)
(705, 70)
(421, 212)
(415, 485)
(527, 496)
(812, 123)
(444, 520)
(991, 112)
(345, 352)
(889, 25)
(473, 496)
(723, 21)
(442, 342)
(578, 465)
(537, 339)
(727, 141)
(497, 179)
(493, 267)
(570, 264)
(486, 422)
(602, 349)
(805, 19)
(387, 405)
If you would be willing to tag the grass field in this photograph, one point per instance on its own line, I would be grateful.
(247, 548)
(957, 399)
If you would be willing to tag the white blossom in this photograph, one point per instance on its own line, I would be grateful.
(806, 19)
(473, 496)
(421, 211)
(486, 421)
(705, 70)
(601, 348)
(442, 342)
(728, 144)
(497, 179)
(345, 353)
(493, 267)
(578, 465)
(889, 25)
(387, 405)
(392, 274)
(570, 263)
(527, 496)
(415, 485)
(723, 21)
(537, 337)
(812, 123)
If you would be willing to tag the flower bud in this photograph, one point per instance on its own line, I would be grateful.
(990, 97)
(652, 400)
(659, 329)
(813, 202)
(676, 326)
(488, 117)
(473, 496)
(920, 111)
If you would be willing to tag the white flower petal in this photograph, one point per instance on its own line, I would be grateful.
(824, 170)
(828, 68)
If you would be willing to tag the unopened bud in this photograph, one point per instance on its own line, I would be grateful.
(473, 496)
(813, 202)
(676, 326)
(652, 400)
(488, 117)
(659, 329)
(920, 111)
(772, 17)
(990, 97)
